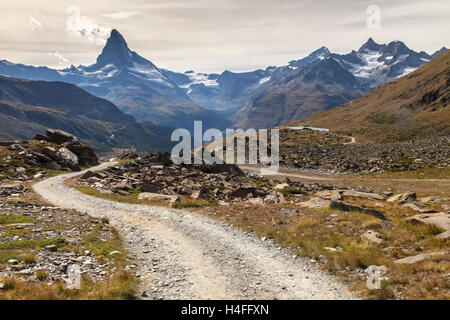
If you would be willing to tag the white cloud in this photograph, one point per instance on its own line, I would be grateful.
(34, 24)
(62, 62)
(82, 26)
(121, 15)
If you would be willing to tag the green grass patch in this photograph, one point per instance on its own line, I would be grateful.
(10, 219)
(292, 190)
(32, 244)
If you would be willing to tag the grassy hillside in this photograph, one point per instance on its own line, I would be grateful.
(411, 107)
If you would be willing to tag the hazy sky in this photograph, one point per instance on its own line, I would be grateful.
(212, 35)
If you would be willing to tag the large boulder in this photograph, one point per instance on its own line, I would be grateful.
(86, 155)
(59, 136)
(68, 159)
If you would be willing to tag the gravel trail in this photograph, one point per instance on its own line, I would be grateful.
(183, 255)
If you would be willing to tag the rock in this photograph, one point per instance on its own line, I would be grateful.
(257, 201)
(402, 197)
(315, 203)
(444, 235)
(374, 269)
(68, 158)
(50, 152)
(271, 198)
(329, 194)
(241, 192)
(432, 199)
(1, 285)
(420, 257)
(281, 186)
(39, 175)
(89, 174)
(21, 170)
(59, 136)
(113, 253)
(418, 207)
(343, 206)
(86, 155)
(440, 220)
(150, 187)
(199, 194)
(51, 248)
(13, 261)
(158, 197)
(367, 195)
(372, 236)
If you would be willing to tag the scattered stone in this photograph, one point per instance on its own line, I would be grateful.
(366, 195)
(444, 235)
(372, 236)
(418, 207)
(432, 199)
(329, 194)
(158, 197)
(281, 186)
(420, 257)
(51, 248)
(257, 201)
(315, 203)
(343, 206)
(440, 220)
(403, 197)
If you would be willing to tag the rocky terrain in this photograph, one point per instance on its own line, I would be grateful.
(42, 246)
(318, 150)
(370, 230)
(56, 151)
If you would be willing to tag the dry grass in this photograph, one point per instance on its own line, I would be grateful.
(122, 285)
(314, 230)
(185, 202)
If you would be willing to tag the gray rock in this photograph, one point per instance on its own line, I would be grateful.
(343, 206)
(420, 257)
(68, 158)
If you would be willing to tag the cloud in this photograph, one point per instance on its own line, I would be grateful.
(62, 62)
(121, 15)
(81, 26)
(34, 24)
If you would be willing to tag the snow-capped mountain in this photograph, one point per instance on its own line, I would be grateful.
(319, 81)
(375, 64)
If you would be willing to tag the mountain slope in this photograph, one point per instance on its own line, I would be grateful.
(413, 106)
(28, 107)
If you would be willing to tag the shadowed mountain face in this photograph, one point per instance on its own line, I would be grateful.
(28, 107)
(260, 98)
(413, 106)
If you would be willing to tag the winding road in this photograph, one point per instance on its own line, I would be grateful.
(183, 255)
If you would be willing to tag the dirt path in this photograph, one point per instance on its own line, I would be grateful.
(315, 177)
(182, 255)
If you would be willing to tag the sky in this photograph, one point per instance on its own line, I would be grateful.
(214, 35)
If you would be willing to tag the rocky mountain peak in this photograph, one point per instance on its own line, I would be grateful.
(370, 45)
(116, 52)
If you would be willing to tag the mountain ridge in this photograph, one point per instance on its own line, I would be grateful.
(138, 87)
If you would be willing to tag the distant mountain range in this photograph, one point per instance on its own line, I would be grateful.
(261, 98)
(28, 107)
(411, 107)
